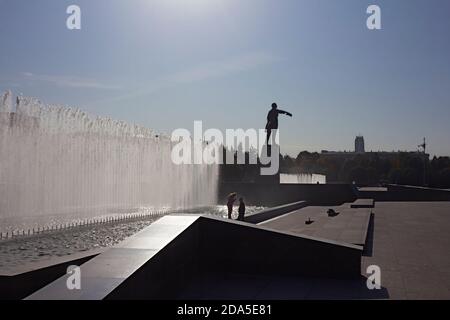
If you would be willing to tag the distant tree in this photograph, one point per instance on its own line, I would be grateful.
(442, 178)
(394, 176)
(445, 176)
(410, 176)
(346, 169)
(359, 175)
(368, 168)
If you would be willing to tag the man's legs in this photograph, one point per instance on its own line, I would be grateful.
(269, 132)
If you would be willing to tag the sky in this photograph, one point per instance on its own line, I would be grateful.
(166, 63)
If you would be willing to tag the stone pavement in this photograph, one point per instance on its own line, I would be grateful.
(349, 225)
(410, 242)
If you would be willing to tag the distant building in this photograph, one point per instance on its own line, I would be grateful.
(359, 144)
(360, 148)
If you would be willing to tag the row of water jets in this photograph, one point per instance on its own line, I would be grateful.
(61, 162)
(45, 229)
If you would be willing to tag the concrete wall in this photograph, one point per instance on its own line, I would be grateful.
(406, 193)
(278, 194)
(15, 287)
(227, 247)
(166, 273)
(273, 212)
(202, 245)
(239, 248)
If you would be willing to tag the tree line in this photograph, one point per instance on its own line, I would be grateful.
(370, 168)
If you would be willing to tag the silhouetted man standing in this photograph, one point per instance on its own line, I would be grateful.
(272, 120)
(230, 201)
(241, 209)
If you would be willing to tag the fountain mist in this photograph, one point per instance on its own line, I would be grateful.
(64, 162)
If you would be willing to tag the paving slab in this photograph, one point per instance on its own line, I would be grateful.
(411, 242)
(349, 225)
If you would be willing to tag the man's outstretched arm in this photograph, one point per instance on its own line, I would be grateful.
(285, 112)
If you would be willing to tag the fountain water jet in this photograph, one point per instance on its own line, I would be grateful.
(61, 163)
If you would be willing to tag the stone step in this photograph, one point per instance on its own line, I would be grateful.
(363, 203)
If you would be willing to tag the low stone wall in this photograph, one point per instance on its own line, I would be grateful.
(167, 273)
(19, 286)
(203, 244)
(274, 212)
(240, 248)
(406, 193)
(277, 194)
(230, 247)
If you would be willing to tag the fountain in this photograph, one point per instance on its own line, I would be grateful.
(61, 164)
(302, 178)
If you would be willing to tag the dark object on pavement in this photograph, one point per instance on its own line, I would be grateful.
(332, 213)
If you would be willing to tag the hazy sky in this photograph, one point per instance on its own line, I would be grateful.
(166, 63)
